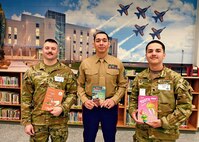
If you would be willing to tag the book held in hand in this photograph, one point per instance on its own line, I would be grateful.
(147, 108)
(98, 94)
(53, 97)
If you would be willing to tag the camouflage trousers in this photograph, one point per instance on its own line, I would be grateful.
(142, 139)
(57, 133)
(143, 136)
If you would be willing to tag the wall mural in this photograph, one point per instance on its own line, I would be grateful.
(133, 22)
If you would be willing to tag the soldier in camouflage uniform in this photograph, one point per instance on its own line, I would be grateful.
(50, 72)
(174, 98)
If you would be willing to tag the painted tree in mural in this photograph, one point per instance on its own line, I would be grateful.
(4, 63)
(2, 32)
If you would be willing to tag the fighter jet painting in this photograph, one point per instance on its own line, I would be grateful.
(156, 33)
(139, 29)
(159, 15)
(141, 12)
(124, 9)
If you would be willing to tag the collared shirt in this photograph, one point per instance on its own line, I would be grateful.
(36, 81)
(115, 81)
(174, 100)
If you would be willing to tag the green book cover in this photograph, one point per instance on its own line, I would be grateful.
(99, 92)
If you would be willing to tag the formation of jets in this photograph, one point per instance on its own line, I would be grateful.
(156, 33)
(159, 15)
(139, 29)
(141, 12)
(124, 9)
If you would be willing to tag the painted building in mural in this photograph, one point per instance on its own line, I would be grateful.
(24, 39)
(80, 42)
(60, 20)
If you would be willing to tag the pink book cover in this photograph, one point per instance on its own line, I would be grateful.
(147, 108)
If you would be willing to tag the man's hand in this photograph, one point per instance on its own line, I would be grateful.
(89, 104)
(108, 103)
(56, 111)
(155, 124)
(97, 101)
(134, 116)
(29, 130)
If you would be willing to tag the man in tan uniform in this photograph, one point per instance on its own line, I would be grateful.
(40, 124)
(105, 72)
(174, 98)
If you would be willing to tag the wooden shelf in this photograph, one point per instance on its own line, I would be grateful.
(10, 91)
(189, 127)
(10, 87)
(122, 106)
(10, 104)
(10, 120)
(76, 107)
(75, 123)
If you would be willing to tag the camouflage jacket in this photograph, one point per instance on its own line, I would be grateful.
(36, 81)
(174, 104)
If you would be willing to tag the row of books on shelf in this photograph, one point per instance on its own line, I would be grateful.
(183, 70)
(195, 71)
(185, 124)
(130, 83)
(9, 81)
(129, 120)
(75, 117)
(9, 113)
(79, 102)
(7, 97)
(187, 70)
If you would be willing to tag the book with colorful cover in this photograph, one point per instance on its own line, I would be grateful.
(53, 97)
(98, 93)
(147, 108)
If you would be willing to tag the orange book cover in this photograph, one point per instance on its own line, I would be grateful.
(53, 97)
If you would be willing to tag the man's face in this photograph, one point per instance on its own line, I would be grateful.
(50, 51)
(101, 43)
(155, 54)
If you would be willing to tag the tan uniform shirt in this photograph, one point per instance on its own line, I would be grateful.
(115, 81)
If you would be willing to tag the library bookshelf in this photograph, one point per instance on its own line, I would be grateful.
(75, 114)
(10, 92)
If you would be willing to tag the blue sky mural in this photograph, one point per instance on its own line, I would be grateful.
(173, 21)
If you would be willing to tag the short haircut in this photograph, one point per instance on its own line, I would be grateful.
(100, 32)
(51, 40)
(156, 41)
